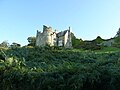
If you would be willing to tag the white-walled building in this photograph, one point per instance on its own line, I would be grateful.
(48, 36)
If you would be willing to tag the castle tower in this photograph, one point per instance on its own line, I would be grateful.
(46, 37)
(48, 34)
(38, 38)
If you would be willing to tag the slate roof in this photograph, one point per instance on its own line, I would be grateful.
(60, 34)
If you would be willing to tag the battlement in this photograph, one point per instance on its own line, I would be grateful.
(47, 29)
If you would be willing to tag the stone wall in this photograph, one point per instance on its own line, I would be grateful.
(53, 38)
(46, 37)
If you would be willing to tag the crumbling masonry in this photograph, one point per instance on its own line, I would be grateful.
(53, 38)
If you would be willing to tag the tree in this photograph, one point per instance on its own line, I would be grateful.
(4, 44)
(98, 40)
(117, 42)
(15, 45)
(75, 41)
(118, 33)
(32, 41)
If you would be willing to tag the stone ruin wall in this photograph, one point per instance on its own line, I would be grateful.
(46, 37)
(49, 37)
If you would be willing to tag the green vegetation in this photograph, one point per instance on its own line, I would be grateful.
(117, 42)
(87, 45)
(51, 68)
(89, 65)
(31, 41)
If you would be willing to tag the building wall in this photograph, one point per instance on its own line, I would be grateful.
(68, 42)
(46, 37)
(108, 43)
(54, 42)
(49, 37)
(60, 41)
(66, 39)
(39, 39)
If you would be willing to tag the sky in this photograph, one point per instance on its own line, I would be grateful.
(20, 19)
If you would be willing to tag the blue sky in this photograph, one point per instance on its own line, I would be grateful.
(88, 19)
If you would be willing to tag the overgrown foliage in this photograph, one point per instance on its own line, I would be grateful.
(117, 42)
(87, 45)
(47, 68)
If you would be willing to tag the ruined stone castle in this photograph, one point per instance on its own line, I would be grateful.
(53, 38)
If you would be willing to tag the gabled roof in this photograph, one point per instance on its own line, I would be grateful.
(60, 34)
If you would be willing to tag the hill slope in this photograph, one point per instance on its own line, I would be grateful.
(47, 69)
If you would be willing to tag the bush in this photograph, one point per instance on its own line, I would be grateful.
(39, 68)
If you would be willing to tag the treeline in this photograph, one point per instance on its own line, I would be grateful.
(96, 44)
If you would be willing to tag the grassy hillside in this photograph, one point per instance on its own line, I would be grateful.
(29, 68)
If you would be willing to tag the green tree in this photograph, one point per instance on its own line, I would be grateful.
(75, 41)
(4, 44)
(32, 41)
(98, 40)
(117, 42)
(15, 45)
(118, 33)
